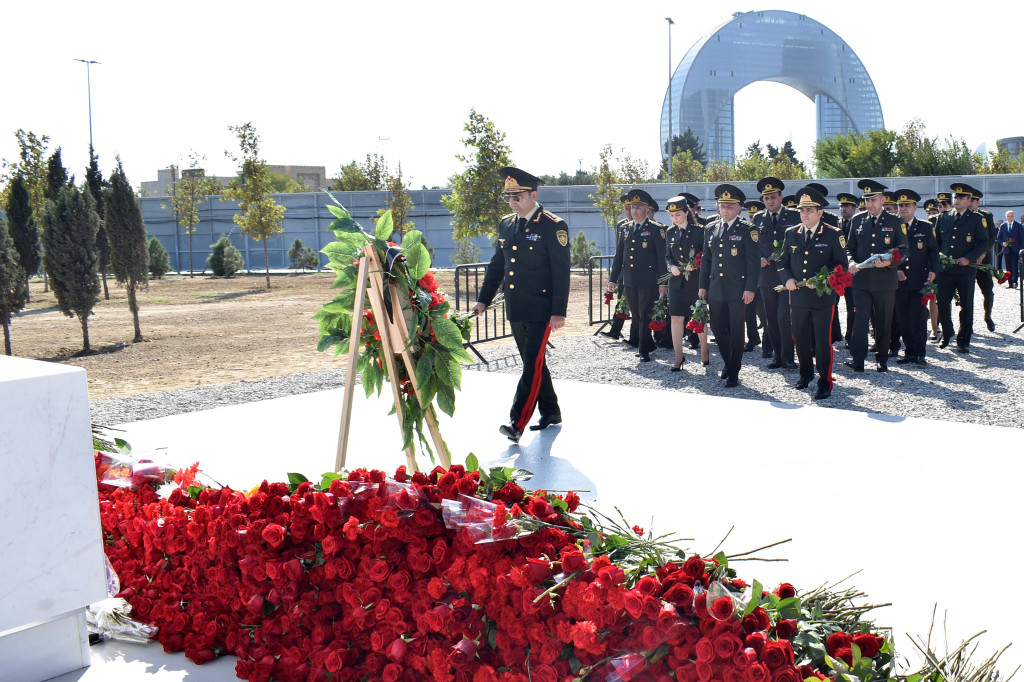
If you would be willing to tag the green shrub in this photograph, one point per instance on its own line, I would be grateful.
(582, 249)
(465, 251)
(224, 259)
(302, 257)
(159, 259)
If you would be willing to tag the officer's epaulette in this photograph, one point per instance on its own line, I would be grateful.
(507, 217)
(793, 227)
(859, 213)
(552, 216)
(833, 228)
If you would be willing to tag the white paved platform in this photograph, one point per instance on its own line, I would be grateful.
(927, 511)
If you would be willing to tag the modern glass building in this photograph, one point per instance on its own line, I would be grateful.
(773, 45)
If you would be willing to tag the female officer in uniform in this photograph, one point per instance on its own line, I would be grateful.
(685, 239)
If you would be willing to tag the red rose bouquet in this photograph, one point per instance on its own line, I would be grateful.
(699, 317)
(622, 308)
(826, 282)
(928, 292)
(693, 262)
(1001, 276)
(839, 280)
(659, 319)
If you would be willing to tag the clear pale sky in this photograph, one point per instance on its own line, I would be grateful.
(328, 82)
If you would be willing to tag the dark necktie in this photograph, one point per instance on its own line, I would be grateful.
(775, 217)
(520, 226)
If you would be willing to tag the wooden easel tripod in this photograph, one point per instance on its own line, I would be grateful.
(394, 335)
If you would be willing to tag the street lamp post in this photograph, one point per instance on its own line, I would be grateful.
(668, 165)
(88, 81)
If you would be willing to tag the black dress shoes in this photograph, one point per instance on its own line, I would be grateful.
(725, 373)
(855, 366)
(791, 365)
(905, 360)
(732, 381)
(545, 422)
(803, 383)
(920, 361)
(511, 432)
(822, 393)
(881, 367)
(991, 324)
(944, 342)
(774, 364)
(750, 345)
(644, 357)
(767, 352)
(610, 335)
(963, 349)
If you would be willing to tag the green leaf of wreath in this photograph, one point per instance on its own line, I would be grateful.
(385, 226)
(418, 261)
(462, 355)
(446, 399)
(449, 372)
(447, 333)
(411, 239)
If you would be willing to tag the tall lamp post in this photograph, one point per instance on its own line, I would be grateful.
(668, 164)
(88, 81)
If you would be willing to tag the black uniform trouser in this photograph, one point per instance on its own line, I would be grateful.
(750, 314)
(641, 307)
(535, 387)
(778, 325)
(812, 328)
(913, 322)
(1009, 263)
(877, 305)
(616, 328)
(837, 332)
(727, 323)
(848, 297)
(962, 280)
(985, 284)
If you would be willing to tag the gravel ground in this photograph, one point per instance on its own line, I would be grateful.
(985, 387)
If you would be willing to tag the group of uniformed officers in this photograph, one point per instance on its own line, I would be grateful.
(760, 267)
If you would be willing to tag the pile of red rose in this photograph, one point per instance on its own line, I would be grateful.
(413, 578)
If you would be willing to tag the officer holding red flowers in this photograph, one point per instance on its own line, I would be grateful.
(809, 247)
(916, 270)
(963, 236)
(873, 232)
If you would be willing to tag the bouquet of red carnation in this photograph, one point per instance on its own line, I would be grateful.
(700, 316)
(693, 262)
(608, 297)
(659, 320)
(947, 263)
(1001, 275)
(622, 308)
(894, 255)
(839, 280)
(826, 282)
(929, 291)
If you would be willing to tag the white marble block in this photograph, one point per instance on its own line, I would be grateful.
(51, 546)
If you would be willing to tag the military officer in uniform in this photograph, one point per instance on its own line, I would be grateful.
(808, 248)
(728, 276)
(985, 278)
(662, 339)
(695, 208)
(962, 236)
(847, 209)
(615, 330)
(919, 269)
(685, 240)
(640, 259)
(829, 218)
(875, 231)
(753, 208)
(531, 261)
(931, 209)
(771, 225)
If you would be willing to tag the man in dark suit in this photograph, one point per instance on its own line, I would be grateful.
(808, 248)
(729, 270)
(771, 224)
(963, 237)
(640, 259)
(984, 278)
(918, 269)
(615, 330)
(531, 262)
(1008, 244)
(874, 232)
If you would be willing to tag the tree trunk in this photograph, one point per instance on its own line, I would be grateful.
(28, 291)
(6, 322)
(85, 334)
(106, 293)
(46, 282)
(133, 305)
(266, 261)
(191, 272)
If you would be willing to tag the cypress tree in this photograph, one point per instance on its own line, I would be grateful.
(94, 181)
(23, 229)
(69, 257)
(159, 259)
(13, 287)
(126, 231)
(56, 176)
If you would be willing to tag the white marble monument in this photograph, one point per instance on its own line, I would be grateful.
(51, 547)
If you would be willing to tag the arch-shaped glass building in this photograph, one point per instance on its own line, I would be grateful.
(771, 45)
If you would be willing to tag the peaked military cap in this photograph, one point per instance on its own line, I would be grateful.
(638, 196)
(963, 189)
(789, 201)
(729, 194)
(846, 198)
(653, 204)
(623, 198)
(817, 187)
(870, 188)
(977, 193)
(677, 203)
(753, 206)
(906, 196)
(931, 204)
(810, 196)
(888, 198)
(519, 180)
(943, 197)
(690, 199)
(767, 185)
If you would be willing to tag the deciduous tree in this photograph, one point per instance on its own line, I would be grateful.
(607, 189)
(70, 224)
(475, 201)
(129, 253)
(260, 216)
(398, 202)
(371, 175)
(187, 194)
(13, 286)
